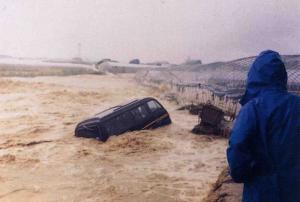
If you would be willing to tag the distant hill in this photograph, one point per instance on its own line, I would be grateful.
(4, 56)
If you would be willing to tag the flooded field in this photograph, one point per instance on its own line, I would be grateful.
(41, 160)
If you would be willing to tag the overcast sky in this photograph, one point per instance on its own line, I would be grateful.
(211, 30)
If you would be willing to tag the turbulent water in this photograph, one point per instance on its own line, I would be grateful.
(41, 160)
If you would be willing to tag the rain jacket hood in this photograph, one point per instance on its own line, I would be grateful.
(267, 72)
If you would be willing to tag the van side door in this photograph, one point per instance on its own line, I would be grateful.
(119, 124)
(141, 116)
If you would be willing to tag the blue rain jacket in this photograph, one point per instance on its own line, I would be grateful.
(264, 147)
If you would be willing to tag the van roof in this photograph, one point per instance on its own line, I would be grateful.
(121, 106)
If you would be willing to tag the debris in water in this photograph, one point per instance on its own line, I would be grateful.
(211, 121)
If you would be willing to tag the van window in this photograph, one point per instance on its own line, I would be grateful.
(119, 124)
(140, 113)
(153, 105)
(125, 121)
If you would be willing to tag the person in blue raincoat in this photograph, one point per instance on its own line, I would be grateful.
(264, 147)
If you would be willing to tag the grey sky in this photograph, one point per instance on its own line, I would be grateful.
(171, 30)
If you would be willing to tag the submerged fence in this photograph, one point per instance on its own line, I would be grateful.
(186, 93)
(222, 85)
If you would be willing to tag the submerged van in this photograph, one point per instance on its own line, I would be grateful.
(146, 113)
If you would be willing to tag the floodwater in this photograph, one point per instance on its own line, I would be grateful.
(41, 160)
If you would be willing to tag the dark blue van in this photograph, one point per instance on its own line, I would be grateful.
(146, 113)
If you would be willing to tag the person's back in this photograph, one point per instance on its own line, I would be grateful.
(264, 151)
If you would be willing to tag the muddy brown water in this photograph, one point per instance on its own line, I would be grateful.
(41, 160)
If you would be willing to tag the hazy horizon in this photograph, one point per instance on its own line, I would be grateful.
(149, 30)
